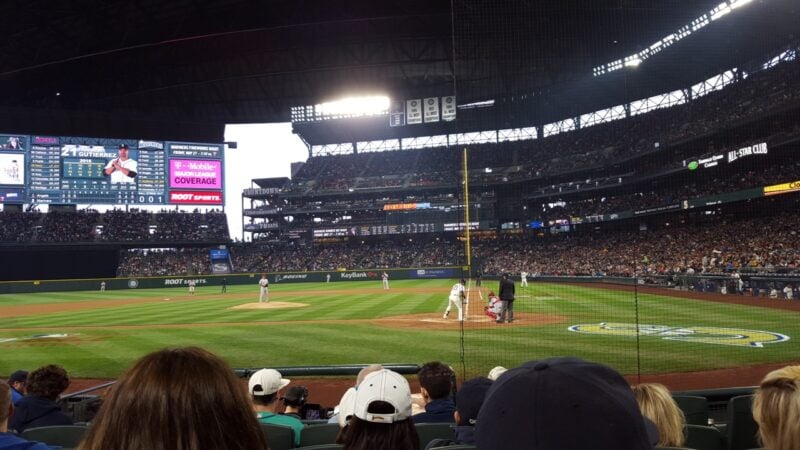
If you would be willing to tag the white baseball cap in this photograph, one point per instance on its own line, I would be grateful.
(495, 373)
(266, 382)
(386, 386)
(346, 406)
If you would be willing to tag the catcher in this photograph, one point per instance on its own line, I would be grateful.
(494, 307)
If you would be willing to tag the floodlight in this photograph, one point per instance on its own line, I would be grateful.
(633, 62)
(739, 3)
(356, 106)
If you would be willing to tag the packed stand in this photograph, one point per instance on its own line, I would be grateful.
(112, 226)
(161, 262)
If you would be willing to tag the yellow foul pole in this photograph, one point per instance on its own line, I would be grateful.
(466, 216)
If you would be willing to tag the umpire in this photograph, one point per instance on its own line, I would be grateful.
(507, 299)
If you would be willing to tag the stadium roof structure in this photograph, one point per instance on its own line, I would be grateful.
(183, 69)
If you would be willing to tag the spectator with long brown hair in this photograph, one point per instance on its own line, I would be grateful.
(176, 399)
(657, 404)
(776, 409)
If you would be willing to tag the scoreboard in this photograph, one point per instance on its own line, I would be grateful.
(82, 170)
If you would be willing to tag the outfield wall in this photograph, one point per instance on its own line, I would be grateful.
(19, 287)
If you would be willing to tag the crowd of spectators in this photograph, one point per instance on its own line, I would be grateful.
(761, 244)
(767, 244)
(112, 226)
(160, 262)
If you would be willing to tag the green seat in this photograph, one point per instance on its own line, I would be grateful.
(742, 428)
(59, 435)
(430, 431)
(694, 408)
(703, 437)
(279, 437)
(319, 434)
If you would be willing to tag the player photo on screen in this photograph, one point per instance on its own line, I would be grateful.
(123, 168)
(14, 143)
(12, 169)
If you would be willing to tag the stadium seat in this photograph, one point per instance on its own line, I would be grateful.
(701, 437)
(694, 408)
(742, 429)
(279, 437)
(60, 435)
(456, 447)
(319, 434)
(430, 431)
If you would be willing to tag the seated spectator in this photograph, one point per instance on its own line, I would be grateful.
(176, 399)
(776, 409)
(561, 403)
(265, 386)
(17, 382)
(657, 404)
(468, 402)
(39, 408)
(436, 387)
(294, 400)
(9, 441)
(343, 411)
(381, 416)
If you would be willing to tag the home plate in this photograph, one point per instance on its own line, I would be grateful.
(269, 305)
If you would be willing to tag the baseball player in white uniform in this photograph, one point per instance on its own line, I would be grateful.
(122, 169)
(523, 279)
(385, 278)
(102, 286)
(457, 295)
(264, 296)
(192, 284)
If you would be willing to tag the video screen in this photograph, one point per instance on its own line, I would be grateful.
(12, 169)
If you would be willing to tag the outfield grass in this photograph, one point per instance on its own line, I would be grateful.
(103, 341)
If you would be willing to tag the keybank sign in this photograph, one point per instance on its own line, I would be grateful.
(352, 275)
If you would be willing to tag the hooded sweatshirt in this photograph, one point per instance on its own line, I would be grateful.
(31, 412)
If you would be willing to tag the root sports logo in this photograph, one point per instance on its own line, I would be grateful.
(706, 335)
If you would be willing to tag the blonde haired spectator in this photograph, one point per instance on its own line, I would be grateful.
(776, 409)
(657, 404)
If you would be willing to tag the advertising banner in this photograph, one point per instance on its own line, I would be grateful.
(195, 174)
(195, 197)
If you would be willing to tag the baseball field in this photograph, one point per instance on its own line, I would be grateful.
(99, 334)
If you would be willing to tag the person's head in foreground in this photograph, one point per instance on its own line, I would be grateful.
(561, 403)
(382, 415)
(776, 409)
(657, 404)
(176, 399)
(469, 400)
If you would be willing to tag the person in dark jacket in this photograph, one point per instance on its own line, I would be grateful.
(468, 402)
(436, 386)
(39, 408)
(10, 441)
(507, 298)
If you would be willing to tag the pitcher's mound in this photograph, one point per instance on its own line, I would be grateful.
(270, 305)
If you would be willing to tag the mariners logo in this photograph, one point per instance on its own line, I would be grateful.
(705, 335)
(133, 284)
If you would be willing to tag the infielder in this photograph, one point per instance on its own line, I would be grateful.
(523, 276)
(264, 296)
(457, 295)
(385, 278)
(191, 284)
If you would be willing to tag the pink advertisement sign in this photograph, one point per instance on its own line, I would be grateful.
(195, 173)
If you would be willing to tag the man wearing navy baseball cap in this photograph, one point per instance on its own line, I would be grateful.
(561, 404)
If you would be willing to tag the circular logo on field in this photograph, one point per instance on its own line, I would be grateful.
(705, 335)
(133, 284)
